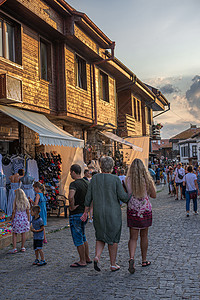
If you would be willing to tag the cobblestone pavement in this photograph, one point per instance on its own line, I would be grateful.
(174, 247)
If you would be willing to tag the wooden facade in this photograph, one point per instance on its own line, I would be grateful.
(68, 71)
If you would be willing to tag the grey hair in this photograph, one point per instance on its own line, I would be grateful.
(106, 164)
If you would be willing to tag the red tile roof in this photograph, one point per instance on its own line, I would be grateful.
(186, 134)
(157, 145)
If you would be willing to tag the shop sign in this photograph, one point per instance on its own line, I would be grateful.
(5, 130)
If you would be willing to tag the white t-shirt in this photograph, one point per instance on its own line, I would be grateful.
(189, 180)
(180, 171)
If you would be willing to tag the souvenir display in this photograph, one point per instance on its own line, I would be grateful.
(49, 165)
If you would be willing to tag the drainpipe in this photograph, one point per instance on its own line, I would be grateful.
(94, 82)
(162, 112)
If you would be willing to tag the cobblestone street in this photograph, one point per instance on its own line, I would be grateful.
(174, 247)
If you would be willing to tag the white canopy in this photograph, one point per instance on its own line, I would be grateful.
(118, 139)
(49, 134)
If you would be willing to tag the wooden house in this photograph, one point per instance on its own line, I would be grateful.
(56, 62)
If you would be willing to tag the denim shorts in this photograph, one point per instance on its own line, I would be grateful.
(77, 229)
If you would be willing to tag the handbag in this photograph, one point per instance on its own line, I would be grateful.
(179, 175)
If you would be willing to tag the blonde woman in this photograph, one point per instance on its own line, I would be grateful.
(20, 219)
(140, 184)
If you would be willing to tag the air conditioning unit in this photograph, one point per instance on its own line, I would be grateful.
(10, 89)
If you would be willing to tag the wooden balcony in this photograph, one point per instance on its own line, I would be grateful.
(126, 125)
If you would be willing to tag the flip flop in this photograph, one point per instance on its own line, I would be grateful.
(131, 266)
(146, 263)
(114, 268)
(89, 262)
(77, 265)
(96, 267)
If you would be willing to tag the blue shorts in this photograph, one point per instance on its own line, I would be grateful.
(77, 229)
(37, 244)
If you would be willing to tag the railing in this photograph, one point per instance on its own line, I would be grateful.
(126, 125)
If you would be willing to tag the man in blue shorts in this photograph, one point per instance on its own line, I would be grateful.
(77, 192)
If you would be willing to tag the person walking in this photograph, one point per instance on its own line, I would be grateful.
(141, 186)
(192, 189)
(20, 219)
(179, 174)
(170, 179)
(77, 191)
(106, 191)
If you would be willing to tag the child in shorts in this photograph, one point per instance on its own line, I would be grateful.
(37, 227)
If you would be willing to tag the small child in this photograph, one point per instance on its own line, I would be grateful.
(40, 200)
(20, 219)
(37, 227)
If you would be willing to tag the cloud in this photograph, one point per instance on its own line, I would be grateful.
(193, 97)
(169, 89)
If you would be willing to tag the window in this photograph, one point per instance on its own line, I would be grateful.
(10, 40)
(138, 107)
(45, 60)
(81, 73)
(103, 87)
(194, 150)
(184, 151)
(135, 111)
(149, 115)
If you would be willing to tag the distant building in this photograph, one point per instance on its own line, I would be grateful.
(183, 145)
(161, 149)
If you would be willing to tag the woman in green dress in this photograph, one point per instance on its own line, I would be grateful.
(105, 191)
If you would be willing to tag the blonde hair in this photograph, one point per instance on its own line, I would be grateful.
(21, 202)
(139, 178)
(39, 185)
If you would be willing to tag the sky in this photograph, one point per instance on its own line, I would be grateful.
(160, 42)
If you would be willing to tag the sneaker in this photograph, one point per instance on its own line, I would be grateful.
(13, 251)
(90, 221)
(23, 249)
(41, 263)
(195, 213)
(36, 262)
(187, 215)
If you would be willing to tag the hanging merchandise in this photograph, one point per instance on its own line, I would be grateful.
(32, 169)
(17, 163)
(3, 195)
(11, 196)
(7, 167)
(27, 185)
(49, 165)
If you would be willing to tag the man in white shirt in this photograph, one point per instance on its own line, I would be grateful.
(179, 174)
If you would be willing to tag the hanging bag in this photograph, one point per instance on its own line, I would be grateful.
(179, 175)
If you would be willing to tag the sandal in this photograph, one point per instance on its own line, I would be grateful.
(146, 263)
(36, 262)
(114, 268)
(96, 267)
(41, 263)
(13, 251)
(131, 266)
(45, 241)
